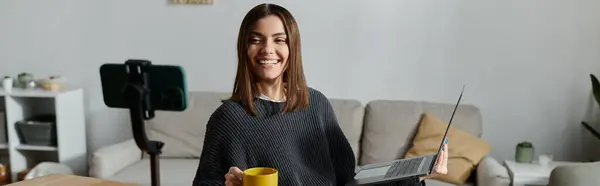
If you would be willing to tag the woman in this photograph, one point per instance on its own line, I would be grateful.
(273, 119)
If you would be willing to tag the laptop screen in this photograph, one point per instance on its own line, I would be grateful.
(451, 117)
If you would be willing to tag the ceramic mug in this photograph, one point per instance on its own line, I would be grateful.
(260, 176)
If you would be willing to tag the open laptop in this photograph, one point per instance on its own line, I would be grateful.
(400, 169)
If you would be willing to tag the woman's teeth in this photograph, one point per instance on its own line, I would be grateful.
(268, 61)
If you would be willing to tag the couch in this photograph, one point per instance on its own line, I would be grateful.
(380, 130)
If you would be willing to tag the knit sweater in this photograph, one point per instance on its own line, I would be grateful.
(307, 146)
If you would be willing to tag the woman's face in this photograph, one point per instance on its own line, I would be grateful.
(268, 50)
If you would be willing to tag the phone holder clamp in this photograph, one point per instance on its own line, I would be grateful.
(138, 96)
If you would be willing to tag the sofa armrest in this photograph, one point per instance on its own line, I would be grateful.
(491, 173)
(575, 175)
(108, 160)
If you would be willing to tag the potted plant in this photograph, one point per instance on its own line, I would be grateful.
(23, 79)
(595, 88)
(596, 95)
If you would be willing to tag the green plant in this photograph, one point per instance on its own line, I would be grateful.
(595, 88)
(596, 95)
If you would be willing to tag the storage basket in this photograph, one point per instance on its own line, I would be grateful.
(39, 130)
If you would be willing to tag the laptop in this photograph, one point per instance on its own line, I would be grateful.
(401, 169)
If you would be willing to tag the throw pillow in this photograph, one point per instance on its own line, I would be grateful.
(465, 150)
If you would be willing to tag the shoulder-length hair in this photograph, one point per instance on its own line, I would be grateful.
(244, 89)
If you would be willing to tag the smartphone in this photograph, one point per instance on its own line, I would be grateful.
(166, 84)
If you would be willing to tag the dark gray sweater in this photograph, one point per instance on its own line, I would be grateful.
(307, 147)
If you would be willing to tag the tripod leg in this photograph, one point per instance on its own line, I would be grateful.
(155, 168)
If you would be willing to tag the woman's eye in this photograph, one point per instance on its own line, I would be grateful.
(254, 40)
(280, 40)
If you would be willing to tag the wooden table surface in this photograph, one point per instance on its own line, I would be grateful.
(62, 180)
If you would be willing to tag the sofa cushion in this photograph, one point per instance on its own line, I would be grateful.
(465, 150)
(172, 172)
(390, 125)
(349, 115)
(183, 132)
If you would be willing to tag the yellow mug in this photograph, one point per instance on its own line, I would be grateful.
(260, 176)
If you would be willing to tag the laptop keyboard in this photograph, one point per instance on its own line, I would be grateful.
(404, 167)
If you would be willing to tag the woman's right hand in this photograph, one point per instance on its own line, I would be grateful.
(233, 177)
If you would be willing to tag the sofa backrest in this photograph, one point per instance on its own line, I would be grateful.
(380, 131)
(183, 132)
(350, 115)
(390, 126)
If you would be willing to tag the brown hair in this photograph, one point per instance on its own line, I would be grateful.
(244, 89)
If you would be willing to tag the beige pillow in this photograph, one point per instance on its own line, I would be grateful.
(465, 150)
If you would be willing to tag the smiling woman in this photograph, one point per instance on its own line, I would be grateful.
(269, 59)
(269, 122)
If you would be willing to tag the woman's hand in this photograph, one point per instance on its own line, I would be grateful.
(233, 177)
(441, 164)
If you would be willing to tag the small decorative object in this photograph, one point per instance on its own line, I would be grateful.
(30, 85)
(21, 174)
(54, 83)
(24, 79)
(545, 159)
(524, 152)
(4, 175)
(7, 83)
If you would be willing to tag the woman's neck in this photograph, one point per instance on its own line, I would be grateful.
(274, 90)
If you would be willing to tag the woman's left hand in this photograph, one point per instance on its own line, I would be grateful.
(441, 164)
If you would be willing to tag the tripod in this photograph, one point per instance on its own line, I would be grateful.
(138, 95)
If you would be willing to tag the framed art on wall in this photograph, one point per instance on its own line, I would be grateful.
(202, 2)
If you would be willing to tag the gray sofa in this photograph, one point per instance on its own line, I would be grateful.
(378, 131)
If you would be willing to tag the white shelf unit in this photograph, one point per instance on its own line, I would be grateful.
(68, 108)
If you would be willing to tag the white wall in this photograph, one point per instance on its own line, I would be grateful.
(525, 63)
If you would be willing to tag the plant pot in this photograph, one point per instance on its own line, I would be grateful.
(524, 152)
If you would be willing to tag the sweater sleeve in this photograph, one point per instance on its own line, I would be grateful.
(213, 166)
(341, 153)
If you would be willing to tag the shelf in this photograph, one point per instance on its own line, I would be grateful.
(36, 148)
(68, 107)
(37, 92)
(3, 146)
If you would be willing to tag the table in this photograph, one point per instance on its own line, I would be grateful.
(532, 173)
(61, 180)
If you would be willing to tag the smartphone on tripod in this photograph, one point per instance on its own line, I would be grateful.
(143, 88)
(165, 83)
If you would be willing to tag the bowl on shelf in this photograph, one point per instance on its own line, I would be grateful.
(53, 83)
